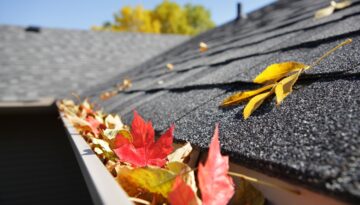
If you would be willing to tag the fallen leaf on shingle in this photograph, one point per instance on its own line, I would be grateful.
(277, 71)
(279, 78)
(170, 66)
(254, 103)
(284, 87)
(242, 96)
(124, 85)
(327, 11)
(107, 95)
(203, 47)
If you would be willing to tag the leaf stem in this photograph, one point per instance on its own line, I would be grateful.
(347, 41)
(294, 191)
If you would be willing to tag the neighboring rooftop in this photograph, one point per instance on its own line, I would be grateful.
(42, 62)
(312, 139)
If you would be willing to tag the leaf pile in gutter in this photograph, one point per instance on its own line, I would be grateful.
(150, 170)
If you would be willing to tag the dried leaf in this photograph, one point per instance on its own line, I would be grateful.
(247, 194)
(341, 5)
(277, 71)
(215, 185)
(242, 96)
(284, 87)
(254, 103)
(107, 95)
(181, 193)
(327, 11)
(78, 122)
(102, 144)
(114, 122)
(203, 47)
(143, 150)
(180, 154)
(124, 85)
(170, 66)
(95, 125)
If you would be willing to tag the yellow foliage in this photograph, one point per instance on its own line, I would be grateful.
(167, 17)
(136, 19)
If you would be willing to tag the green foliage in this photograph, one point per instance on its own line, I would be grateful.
(168, 17)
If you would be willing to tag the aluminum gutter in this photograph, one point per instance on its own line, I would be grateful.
(101, 184)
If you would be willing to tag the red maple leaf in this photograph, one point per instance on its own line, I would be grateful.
(181, 193)
(143, 150)
(215, 185)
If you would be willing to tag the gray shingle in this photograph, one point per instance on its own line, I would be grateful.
(57, 62)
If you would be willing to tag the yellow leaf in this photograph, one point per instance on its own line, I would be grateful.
(341, 5)
(181, 153)
(277, 71)
(284, 87)
(154, 179)
(254, 103)
(151, 179)
(241, 96)
(203, 47)
(327, 11)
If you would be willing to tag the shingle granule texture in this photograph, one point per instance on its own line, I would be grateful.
(56, 62)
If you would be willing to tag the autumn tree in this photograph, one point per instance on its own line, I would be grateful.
(167, 17)
(199, 18)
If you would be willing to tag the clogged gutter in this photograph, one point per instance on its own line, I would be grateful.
(152, 171)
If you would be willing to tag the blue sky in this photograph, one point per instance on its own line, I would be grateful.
(82, 14)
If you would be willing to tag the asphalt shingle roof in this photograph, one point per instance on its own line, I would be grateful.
(312, 139)
(56, 62)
